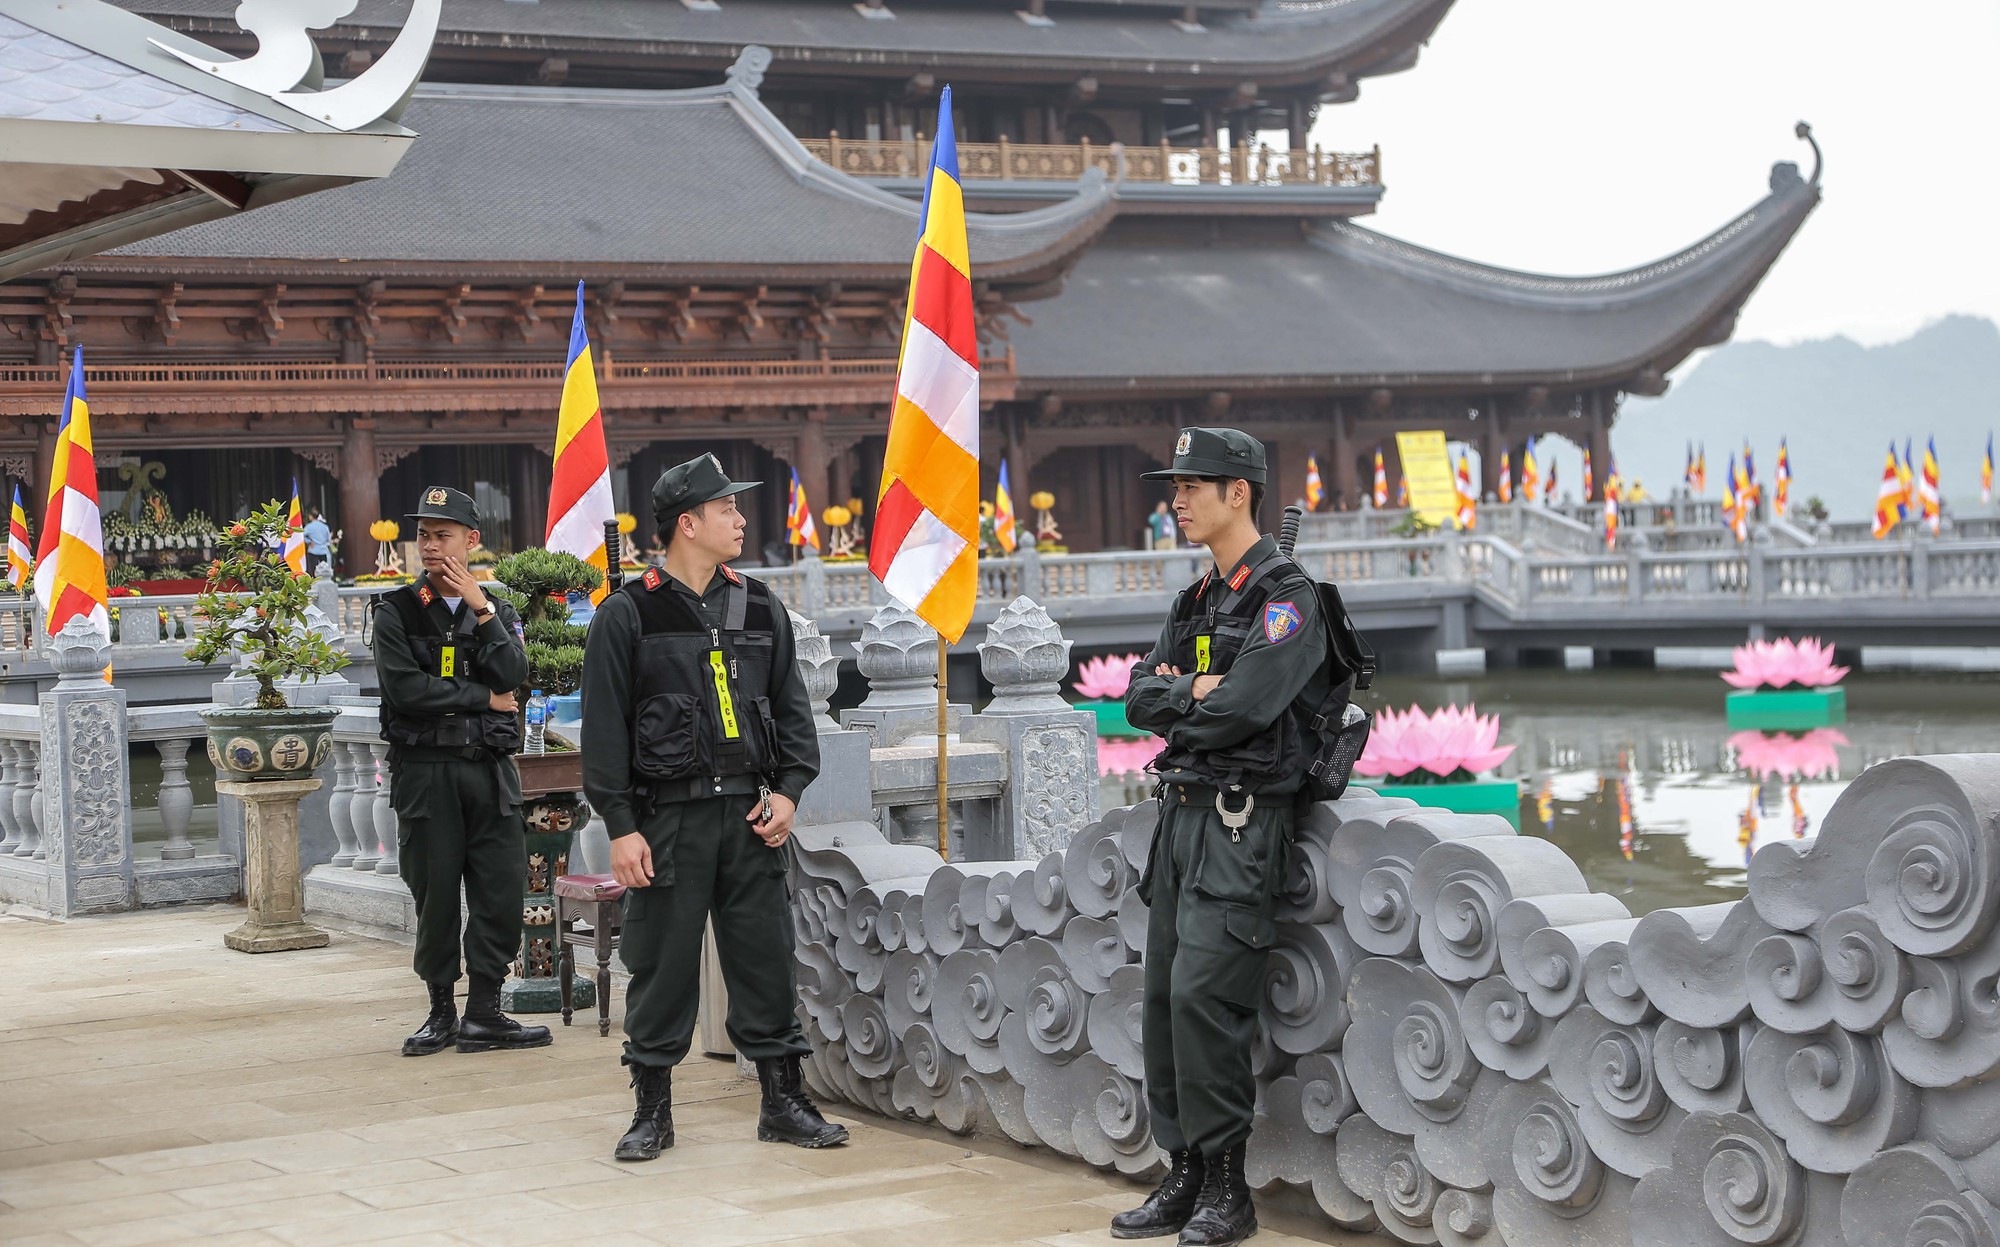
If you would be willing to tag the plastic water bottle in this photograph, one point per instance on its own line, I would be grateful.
(538, 718)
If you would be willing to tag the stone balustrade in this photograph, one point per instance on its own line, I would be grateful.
(1461, 1044)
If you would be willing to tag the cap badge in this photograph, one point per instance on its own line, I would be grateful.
(713, 462)
(434, 498)
(1184, 445)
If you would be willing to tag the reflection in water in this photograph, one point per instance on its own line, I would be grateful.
(1639, 778)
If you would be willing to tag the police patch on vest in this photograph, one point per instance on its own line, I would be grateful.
(1281, 619)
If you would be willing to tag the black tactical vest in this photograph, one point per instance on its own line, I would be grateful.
(1207, 635)
(448, 656)
(701, 695)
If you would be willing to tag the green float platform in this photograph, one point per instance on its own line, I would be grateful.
(1788, 708)
(1483, 796)
(1110, 718)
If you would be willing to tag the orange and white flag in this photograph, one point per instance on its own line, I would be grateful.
(580, 494)
(69, 565)
(925, 547)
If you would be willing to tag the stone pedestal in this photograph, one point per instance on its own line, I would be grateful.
(86, 779)
(1051, 791)
(898, 652)
(271, 882)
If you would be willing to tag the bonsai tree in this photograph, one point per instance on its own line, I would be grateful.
(538, 584)
(255, 604)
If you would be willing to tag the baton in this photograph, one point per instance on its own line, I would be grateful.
(1288, 531)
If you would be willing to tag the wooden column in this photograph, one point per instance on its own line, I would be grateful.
(360, 496)
(1288, 479)
(1491, 441)
(1600, 445)
(1344, 480)
(812, 462)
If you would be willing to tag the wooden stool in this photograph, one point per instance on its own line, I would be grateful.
(596, 899)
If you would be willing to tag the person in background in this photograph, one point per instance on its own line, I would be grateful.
(319, 540)
(1160, 527)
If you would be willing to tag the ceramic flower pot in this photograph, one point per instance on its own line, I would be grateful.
(252, 744)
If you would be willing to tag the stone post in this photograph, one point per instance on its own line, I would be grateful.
(87, 801)
(898, 652)
(10, 773)
(842, 793)
(271, 882)
(176, 799)
(1052, 783)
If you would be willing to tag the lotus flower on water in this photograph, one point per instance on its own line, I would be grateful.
(1105, 679)
(1127, 757)
(1456, 743)
(1784, 662)
(1807, 757)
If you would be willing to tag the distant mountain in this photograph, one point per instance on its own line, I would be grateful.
(1838, 402)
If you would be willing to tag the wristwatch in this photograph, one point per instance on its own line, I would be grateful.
(486, 613)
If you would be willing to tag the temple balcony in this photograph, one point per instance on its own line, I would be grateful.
(1255, 176)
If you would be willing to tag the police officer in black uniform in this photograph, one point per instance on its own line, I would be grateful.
(697, 743)
(1243, 654)
(449, 659)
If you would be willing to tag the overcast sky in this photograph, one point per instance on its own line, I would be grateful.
(1584, 136)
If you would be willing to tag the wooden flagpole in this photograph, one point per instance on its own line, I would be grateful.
(944, 824)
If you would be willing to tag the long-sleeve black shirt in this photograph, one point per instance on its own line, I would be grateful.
(497, 655)
(607, 702)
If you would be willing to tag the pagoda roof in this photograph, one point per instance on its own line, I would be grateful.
(693, 185)
(1334, 305)
(1283, 42)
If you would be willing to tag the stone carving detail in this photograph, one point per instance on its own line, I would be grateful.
(94, 785)
(1057, 800)
(1462, 1045)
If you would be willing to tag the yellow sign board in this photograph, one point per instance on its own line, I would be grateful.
(1427, 469)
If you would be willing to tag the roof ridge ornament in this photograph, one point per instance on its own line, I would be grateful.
(1804, 131)
(287, 58)
(747, 73)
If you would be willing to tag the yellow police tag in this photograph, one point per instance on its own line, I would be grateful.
(719, 666)
(1201, 655)
(448, 661)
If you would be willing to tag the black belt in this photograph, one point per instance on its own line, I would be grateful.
(672, 791)
(447, 753)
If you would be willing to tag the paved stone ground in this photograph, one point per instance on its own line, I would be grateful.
(156, 1087)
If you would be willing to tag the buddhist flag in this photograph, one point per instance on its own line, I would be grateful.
(1549, 487)
(1687, 473)
(295, 536)
(1985, 476)
(1611, 491)
(1906, 479)
(799, 529)
(926, 544)
(1005, 526)
(69, 566)
(1466, 511)
(1314, 489)
(1402, 491)
(580, 493)
(1927, 488)
(1748, 491)
(1783, 498)
(1889, 498)
(1589, 482)
(1506, 493)
(1732, 505)
(1530, 480)
(20, 555)
(1381, 481)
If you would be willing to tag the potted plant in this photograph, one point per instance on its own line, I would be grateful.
(1437, 759)
(255, 606)
(1786, 684)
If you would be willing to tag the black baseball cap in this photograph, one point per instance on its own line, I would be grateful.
(438, 502)
(687, 485)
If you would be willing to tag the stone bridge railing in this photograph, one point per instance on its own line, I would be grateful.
(1461, 1044)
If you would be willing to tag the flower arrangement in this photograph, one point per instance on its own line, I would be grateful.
(843, 532)
(1809, 756)
(1450, 746)
(1048, 538)
(1105, 679)
(256, 604)
(628, 553)
(388, 565)
(1784, 662)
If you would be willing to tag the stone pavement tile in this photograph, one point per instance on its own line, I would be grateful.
(52, 1187)
(94, 1149)
(913, 1182)
(652, 1221)
(446, 1186)
(207, 1223)
(894, 1220)
(40, 1240)
(456, 1215)
(315, 1182)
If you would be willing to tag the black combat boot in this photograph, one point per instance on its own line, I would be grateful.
(1167, 1209)
(788, 1114)
(439, 1029)
(653, 1121)
(1222, 1213)
(484, 1027)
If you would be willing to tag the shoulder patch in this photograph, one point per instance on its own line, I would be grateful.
(652, 578)
(1240, 577)
(1281, 619)
(731, 573)
(425, 595)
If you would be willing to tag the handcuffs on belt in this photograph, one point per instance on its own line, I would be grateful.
(1235, 820)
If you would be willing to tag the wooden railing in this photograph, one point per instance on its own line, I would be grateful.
(1242, 165)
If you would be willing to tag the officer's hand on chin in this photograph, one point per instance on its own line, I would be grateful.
(632, 860)
(461, 583)
(1204, 685)
(503, 701)
(776, 829)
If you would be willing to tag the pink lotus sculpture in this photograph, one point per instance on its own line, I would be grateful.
(1454, 744)
(1777, 664)
(1806, 757)
(1105, 679)
(1127, 757)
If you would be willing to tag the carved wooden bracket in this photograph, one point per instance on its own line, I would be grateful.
(622, 452)
(387, 457)
(325, 458)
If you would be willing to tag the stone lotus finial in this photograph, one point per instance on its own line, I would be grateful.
(1025, 657)
(78, 652)
(897, 648)
(817, 666)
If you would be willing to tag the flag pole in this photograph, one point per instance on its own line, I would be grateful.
(944, 763)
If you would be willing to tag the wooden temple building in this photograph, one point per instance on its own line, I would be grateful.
(735, 182)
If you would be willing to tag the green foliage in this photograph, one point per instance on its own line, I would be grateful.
(1414, 525)
(537, 584)
(1814, 509)
(255, 603)
(536, 574)
(555, 669)
(552, 632)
